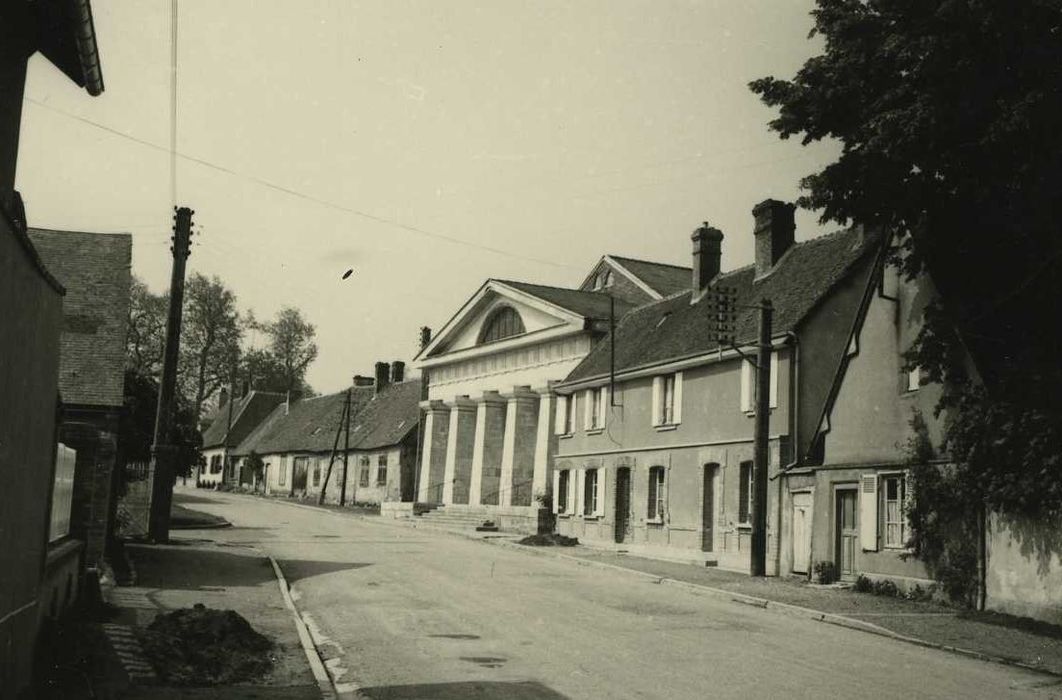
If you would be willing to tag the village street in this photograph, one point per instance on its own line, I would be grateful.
(409, 612)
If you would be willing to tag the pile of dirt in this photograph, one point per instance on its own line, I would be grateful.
(203, 646)
(550, 540)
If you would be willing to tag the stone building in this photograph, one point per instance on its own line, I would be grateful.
(233, 422)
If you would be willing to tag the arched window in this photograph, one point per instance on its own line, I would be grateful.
(503, 323)
(608, 279)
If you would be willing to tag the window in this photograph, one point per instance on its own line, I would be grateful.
(381, 470)
(748, 385)
(914, 379)
(593, 408)
(894, 492)
(745, 491)
(282, 475)
(569, 415)
(503, 323)
(590, 492)
(655, 510)
(215, 464)
(317, 472)
(562, 490)
(363, 478)
(609, 280)
(667, 399)
(62, 492)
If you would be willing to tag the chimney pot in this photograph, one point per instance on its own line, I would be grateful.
(398, 371)
(774, 232)
(707, 254)
(382, 375)
(425, 337)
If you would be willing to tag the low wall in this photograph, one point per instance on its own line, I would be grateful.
(1024, 569)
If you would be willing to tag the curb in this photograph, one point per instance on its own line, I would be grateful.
(320, 674)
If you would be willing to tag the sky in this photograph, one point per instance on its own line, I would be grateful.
(429, 145)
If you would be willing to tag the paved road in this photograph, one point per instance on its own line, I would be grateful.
(415, 613)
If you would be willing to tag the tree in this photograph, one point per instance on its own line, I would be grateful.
(292, 347)
(210, 339)
(947, 114)
(146, 339)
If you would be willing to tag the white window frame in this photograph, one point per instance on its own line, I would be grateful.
(914, 379)
(901, 507)
(564, 477)
(748, 385)
(590, 492)
(750, 494)
(661, 419)
(655, 508)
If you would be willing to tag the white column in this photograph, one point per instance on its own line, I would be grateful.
(457, 451)
(508, 450)
(425, 455)
(477, 454)
(543, 441)
(451, 458)
(521, 421)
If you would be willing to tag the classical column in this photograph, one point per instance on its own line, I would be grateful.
(487, 450)
(545, 442)
(433, 451)
(518, 450)
(459, 450)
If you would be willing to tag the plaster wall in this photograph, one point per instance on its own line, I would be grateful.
(1024, 572)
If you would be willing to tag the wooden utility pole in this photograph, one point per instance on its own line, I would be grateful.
(163, 452)
(335, 448)
(760, 454)
(346, 455)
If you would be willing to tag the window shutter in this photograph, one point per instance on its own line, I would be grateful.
(588, 410)
(556, 491)
(580, 486)
(558, 419)
(601, 477)
(678, 398)
(651, 506)
(774, 379)
(746, 385)
(868, 515)
(658, 391)
(665, 510)
(569, 506)
(605, 403)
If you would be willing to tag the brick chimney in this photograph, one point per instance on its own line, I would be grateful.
(362, 380)
(425, 337)
(398, 371)
(774, 232)
(707, 251)
(383, 371)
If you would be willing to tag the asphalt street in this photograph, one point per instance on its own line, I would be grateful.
(401, 612)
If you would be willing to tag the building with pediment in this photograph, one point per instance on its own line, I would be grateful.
(489, 417)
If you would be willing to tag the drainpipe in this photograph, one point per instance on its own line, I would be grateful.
(794, 392)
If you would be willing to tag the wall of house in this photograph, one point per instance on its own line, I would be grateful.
(93, 433)
(823, 337)
(206, 476)
(29, 393)
(682, 529)
(1024, 568)
(622, 286)
(399, 465)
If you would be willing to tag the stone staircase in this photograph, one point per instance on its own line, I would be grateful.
(453, 519)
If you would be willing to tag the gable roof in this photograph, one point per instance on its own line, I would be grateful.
(664, 279)
(590, 305)
(95, 270)
(67, 38)
(673, 328)
(310, 425)
(247, 413)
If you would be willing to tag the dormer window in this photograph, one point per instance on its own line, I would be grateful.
(504, 322)
(606, 279)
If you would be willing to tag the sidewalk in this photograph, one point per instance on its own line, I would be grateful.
(191, 571)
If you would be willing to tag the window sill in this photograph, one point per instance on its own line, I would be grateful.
(658, 522)
(565, 436)
(595, 431)
(896, 549)
(592, 517)
(744, 526)
(665, 427)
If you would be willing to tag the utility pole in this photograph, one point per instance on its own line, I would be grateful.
(760, 453)
(332, 457)
(162, 451)
(346, 455)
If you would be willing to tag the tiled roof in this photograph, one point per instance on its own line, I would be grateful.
(592, 305)
(663, 278)
(310, 424)
(672, 328)
(94, 269)
(247, 413)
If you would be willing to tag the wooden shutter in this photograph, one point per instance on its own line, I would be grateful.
(658, 392)
(744, 492)
(746, 385)
(556, 491)
(605, 404)
(650, 509)
(580, 486)
(601, 475)
(677, 398)
(774, 379)
(868, 512)
(558, 419)
(588, 409)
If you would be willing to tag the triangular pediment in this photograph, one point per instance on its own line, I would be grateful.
(464, 332)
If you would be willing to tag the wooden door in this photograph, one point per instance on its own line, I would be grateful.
(847, 529)
(708, 508)
(801, 532)
(298, 475)
(623, 504)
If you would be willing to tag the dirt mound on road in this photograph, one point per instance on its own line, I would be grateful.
(550, 540)
(203, 646)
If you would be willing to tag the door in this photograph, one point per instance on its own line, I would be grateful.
(801, 532)
(298, 475)
(847, 529)
(708, 508)
(623, 504)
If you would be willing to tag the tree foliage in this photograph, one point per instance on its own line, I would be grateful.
(947, 114)
(292, 346)
(210, 339)
(146, 339)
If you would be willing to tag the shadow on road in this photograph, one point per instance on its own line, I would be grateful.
(486, 690)
(300, 569)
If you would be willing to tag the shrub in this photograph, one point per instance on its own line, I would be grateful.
(825, 572)
(886, 588)
(863, 585)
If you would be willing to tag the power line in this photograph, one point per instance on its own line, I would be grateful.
(173, 101)
(304, 196)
